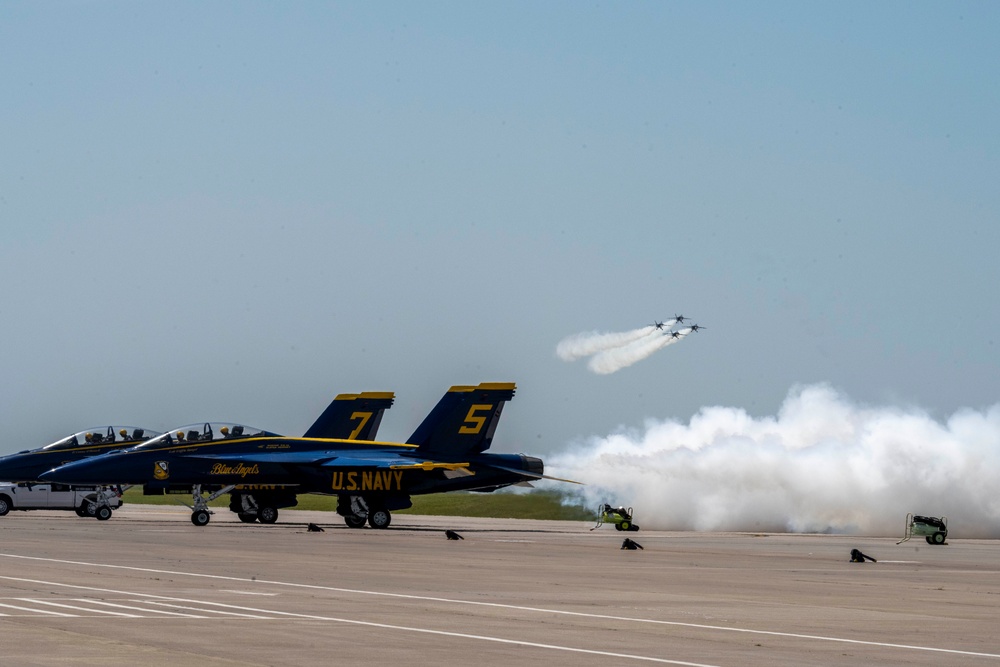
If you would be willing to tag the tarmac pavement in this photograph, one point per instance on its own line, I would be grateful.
(148, 587)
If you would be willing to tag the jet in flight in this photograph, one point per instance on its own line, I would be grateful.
(447, 452)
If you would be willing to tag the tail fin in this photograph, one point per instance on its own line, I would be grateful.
(464, 420)
(352, 416)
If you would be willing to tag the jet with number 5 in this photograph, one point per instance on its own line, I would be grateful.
(447, 452)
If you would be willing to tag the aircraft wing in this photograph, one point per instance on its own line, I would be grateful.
(392, 463)
(332, 459)
(315, 456)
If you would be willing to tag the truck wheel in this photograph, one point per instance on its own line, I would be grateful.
(267, 514)
(103, 513)
(625, 525)
(938, 538)
(618, 526)
(200, 518)
(4, 505)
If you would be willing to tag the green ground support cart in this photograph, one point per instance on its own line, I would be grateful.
(931, 528)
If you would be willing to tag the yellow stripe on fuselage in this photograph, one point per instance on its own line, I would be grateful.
(87, 448)
(353, 444)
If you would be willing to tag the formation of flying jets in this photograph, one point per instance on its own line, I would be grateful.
(263, 471)
(666, 327)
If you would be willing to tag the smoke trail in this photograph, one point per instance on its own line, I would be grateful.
(585, 344)
(618, 358)
(822, 464)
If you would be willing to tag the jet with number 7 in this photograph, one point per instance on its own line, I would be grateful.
(447, 452)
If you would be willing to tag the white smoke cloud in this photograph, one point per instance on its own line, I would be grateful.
(614, 351)
(618, 358)
(823, 464)
(582, 345)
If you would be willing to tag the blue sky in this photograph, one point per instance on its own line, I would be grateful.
(234, 211)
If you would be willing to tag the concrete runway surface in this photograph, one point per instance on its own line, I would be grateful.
(150, 588)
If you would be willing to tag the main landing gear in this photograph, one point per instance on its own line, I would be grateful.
(358, 512)
(249, 510)
(200, 513)
(379, 517)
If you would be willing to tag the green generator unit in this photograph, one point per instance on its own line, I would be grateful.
(931, 528)
(619, 516)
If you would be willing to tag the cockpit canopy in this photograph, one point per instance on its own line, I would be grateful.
(204, 432)
(104, 435)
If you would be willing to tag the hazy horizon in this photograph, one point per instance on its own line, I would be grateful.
(235, 211)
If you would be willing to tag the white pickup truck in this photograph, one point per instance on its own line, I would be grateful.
(84, 500)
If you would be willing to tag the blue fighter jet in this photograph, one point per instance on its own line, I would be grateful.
(348, 417)
(28, 465)
(447, 452)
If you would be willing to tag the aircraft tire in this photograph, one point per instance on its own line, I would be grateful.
(247, 518)
(938, 538)
(379, 518)
(200, 518)
(4, 505)
(267, 514)
(103, 513)
(355, 521)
